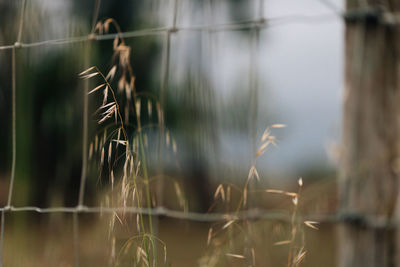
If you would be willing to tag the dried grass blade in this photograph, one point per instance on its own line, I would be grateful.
(106, 105)
(210, 231)
(274, 191)
(253, 172)
(295, 201)
(97, 88)
(284, 242)
(235, 256)
(228, 224)
(300, 257)
(122, 142)
(85, 77)
(220, 191)
(278, 125)
(86, 71)
(109, 152)
(111, 73)
(265, 135)
(311, 224)
(262, 148)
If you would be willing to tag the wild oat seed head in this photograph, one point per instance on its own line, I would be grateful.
(300, 182)
(235, 256)
(278, 125)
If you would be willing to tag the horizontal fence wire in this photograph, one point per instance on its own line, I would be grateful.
(252, 214)
(351, 15)
(372, 221)
(360, 14)
(241, 25)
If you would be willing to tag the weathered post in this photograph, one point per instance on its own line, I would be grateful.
(369, 174)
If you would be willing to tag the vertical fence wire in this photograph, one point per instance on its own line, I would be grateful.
(163, 90)
(13, 122)
(13, 129)
(254, 80)
(85, 111)
(2, 239)
(21, 23)
(13, 119)
(164, 85)
(84, 131)
(85, 127)
(95, 15)
(254, 92)
(75, 233)
(84, 158)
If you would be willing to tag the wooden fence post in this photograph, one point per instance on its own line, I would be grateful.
(370, 167)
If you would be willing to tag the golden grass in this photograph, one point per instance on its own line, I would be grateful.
(134, 185)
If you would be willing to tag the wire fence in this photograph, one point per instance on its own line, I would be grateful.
(256, 25)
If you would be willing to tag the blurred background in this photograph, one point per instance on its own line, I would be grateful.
(223, 89)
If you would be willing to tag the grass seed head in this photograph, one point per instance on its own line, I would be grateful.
(174, 147)
(87, 71)
(167, 139)
(96, 88)
(90, 150)
(111, 73)
(281, 243)
(278, 125)
(210, 231)
(106, 24)
(295, 201)
(226, 225)
(102, 157)
(300, 182)
(312, 224)
(220, 191)
(237, 256)
(137, 105)
(149, 108)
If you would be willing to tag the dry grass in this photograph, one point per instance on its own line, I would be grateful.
(233, 240)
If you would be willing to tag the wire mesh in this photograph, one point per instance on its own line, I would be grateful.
(256, 25)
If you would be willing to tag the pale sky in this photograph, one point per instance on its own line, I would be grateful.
(301, 72)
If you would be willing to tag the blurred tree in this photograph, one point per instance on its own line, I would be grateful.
(49, 100)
